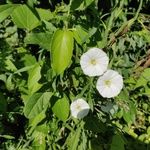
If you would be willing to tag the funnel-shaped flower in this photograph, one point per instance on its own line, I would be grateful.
(110, 84)
(94, 62)
(79, 108)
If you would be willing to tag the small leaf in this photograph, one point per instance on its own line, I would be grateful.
(36, 104)
(61, 50)
(61, 108)
(42, 39)
(23, 17)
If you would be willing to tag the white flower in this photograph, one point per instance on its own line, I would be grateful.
(94, 62)
(79, 108)
(110, 84)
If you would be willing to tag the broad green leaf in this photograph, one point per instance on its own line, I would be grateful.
(6, 10)
(23, 17)
(44, 14)
(36, 104)
(61, 50)
(34, 77)
(3, 104)
(43, 39)
(61, 108)
(117, 142)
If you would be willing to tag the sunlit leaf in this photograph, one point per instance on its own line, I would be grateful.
(36, 104)
(61, 108)
(61, 50)
(23, 17)
(6, 10)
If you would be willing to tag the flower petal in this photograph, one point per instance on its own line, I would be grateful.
(79, 108)
(101, 62)
(116, 84)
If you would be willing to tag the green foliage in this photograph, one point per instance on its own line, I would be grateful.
(41, 43)
(36, 104)
(23, 17)
(61, 112)
(61, 50)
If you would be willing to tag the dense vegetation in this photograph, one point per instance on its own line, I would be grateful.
(41, 43)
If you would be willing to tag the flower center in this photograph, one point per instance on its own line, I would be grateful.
(93, 61)
(107, 83)
(78, 107)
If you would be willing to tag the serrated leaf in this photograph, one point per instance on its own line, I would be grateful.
(36, 104)
(61, 50)
(43, 39)
(6, 10)
(23, 17)
(61, 108)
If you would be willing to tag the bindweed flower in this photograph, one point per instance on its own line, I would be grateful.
(94, 62)
(79, 108)
(110, 84)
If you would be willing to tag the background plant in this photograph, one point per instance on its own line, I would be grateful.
(36, 38)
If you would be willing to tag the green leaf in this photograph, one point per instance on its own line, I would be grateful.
(39, 142)
(80, 34)
(61, 50)
(73, 139)
(129, 113)
(6, 10)
(10, 65)
(117, 143)
(9, 83)
(34, 77)
(23, 17)
(36, 120)
(43, 39)
(44, 14)
(94, 124)
(144, 78)
(61, 108)
(29, 60)
(36, 104)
